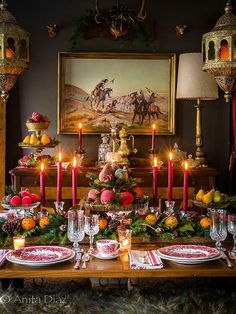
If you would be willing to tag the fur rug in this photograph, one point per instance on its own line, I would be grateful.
(195, 296)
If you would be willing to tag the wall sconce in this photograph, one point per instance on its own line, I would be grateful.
(52, 30)
(180, 29)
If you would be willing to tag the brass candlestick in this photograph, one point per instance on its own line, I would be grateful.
(199, 153)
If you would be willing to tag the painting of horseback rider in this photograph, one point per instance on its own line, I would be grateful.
(136, 90)
(99, 94)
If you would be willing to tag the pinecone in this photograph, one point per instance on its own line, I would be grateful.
(63, 228)
(36, 116)
(12, 226)
(192, 216)
(113, 224)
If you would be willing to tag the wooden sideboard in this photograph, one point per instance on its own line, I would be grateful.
(29, 178)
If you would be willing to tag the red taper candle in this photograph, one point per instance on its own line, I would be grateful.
(80, 137)
(170, 178)
(185, 192)
(74, 182)
(59, 178)
(153, 137)
(42, 185)
(155, 179)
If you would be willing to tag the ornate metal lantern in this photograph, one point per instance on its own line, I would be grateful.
(14, 50)
(219, 52)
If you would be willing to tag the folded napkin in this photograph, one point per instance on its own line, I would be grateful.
(3, 254)
(144, 260)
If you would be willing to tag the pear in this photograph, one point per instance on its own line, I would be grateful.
(45, 139)
(207, 198)
(199, 195)
(217, 197)
(33, 139)
(26, 140)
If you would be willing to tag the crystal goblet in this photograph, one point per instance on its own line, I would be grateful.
(232, 230)
(218, 227)
(91, 228)
(75, 231)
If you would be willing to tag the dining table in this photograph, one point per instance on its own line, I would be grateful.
(118, 268)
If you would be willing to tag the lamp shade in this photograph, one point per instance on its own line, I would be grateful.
(193, 82)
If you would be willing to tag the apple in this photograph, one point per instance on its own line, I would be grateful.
(15, 200)
(24, 193)
(34, 197)
(26, 200)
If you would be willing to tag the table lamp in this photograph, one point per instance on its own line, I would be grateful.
(195, 84)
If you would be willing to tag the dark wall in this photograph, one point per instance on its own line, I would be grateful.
(36, 90)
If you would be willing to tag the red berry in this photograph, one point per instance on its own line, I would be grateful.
(34, 197)
(24, 193)
(36, 116)
(15, 200)
(26, 200)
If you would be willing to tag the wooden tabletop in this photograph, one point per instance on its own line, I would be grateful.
(117, 268)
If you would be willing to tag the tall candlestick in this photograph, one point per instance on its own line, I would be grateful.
(155, 179)
(170, 178)
(42, 184)
(59, 178)
(185, 193)
(80, 137)
(153, 137)
(74, 183)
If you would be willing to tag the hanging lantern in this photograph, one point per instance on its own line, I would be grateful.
(219, 52)
(14, 50)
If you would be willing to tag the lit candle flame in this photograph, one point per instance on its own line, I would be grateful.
(154, 126)
(170, 156)
(80, 126)
(125, 242)
(74, 162)
(155, 162)
(42, 166)
(186, 165)
(59, 157)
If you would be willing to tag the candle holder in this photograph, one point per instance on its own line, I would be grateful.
(155, 206)
(169, 208)
(125, 239)
(59, 207)
(18, 242)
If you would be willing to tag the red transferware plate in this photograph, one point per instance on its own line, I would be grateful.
(188, 251)
(42, 254)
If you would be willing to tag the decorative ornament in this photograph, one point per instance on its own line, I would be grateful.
(219, 52)
(103, 223)
(14, 53)
(205, 222)
(119, 18)
(12, 225)
(151, 219)
(180, 29)
(113, 224)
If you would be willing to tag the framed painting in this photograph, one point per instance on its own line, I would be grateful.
(132, 89)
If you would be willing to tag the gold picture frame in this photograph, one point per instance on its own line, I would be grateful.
(135, 89)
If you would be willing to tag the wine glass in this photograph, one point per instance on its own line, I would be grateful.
(75, 231)
(232, 230)
(91, 228)
(218, 228)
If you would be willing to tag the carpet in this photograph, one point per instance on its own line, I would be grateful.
(195, 296)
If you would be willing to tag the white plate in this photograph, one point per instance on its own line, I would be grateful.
(112, 256)
(11, 258)
(188, 261)
(189, 252)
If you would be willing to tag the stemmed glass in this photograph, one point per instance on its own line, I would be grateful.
(232, 230)
(75, 231)
(218, 227)
(91, 228)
